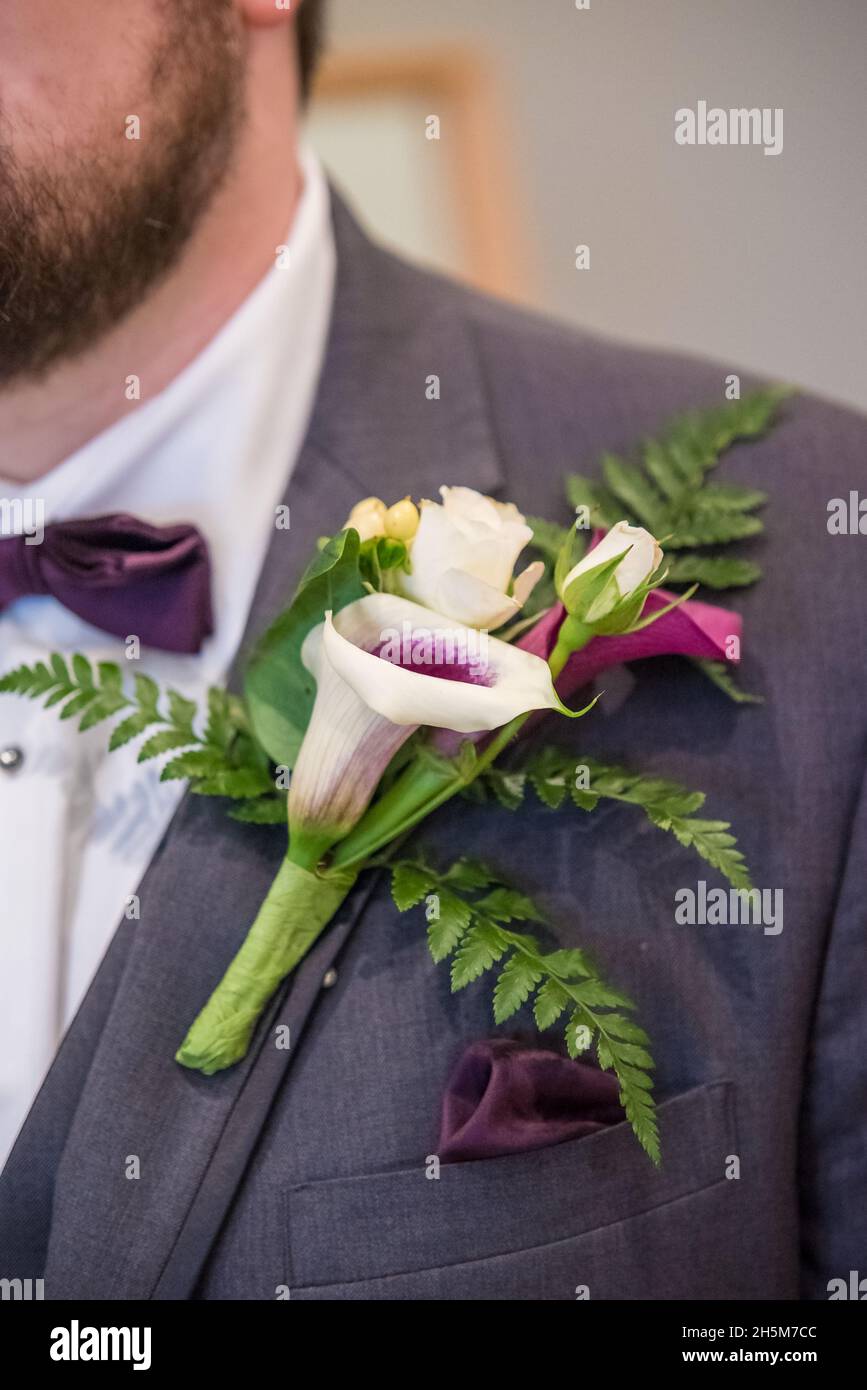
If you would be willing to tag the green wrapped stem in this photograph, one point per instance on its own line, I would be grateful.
(298, 908)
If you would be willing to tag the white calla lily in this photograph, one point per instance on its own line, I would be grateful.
(463, 555)
(383, 667)
(413, 666)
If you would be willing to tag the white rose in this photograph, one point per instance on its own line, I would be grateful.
(641, 558)
(463, 555)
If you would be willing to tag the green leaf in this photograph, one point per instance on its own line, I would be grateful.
(43, 676)
(667, 805)
(585, 800)
(517, 980)
(640, 500)
(239, 783)
(551, 790)
(376, 557)
(630, 1064)
(712, 840)
(60, 669)
(198, 762)
(219, 728)
(604, 1054)
(508, 787)
(714, 571)
(661, 464)
(548, 777)
(595, 994)
(57, 695)
(182, 712)
(447, 926)
(507, 905)
(668, 490)
(621, 1027)
(654, 795)
(579, 1034)
(720, 673)
(130, 728)
(640, 1110)
(604, 508)
(747, 418)
(468, 873)
(146, 692)
(567, 964)
(722, 497)
(16, 682)
(99, 709)
(481, 948)
(78, 703)
(82, 670)
(279, 689)
(110, 676)
(166, 741)
(410, 883)
(467, 759)
(550, 1003)
(98, 696)
(391, 554)
(636, 1056)
(713, 528)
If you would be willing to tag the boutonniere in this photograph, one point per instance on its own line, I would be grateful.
(402, 675)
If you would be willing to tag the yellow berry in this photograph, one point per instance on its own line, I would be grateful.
(401, 520)
(368, 518)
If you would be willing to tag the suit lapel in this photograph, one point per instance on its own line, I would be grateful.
(154, 1153)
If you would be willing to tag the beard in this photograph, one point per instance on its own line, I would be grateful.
(82, 245)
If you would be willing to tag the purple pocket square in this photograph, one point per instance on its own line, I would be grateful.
(506, 1097)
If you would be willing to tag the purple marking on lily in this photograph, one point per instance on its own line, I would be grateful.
(369, 660)
(411, 657)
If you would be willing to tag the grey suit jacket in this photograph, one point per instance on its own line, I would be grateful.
(305, 1170)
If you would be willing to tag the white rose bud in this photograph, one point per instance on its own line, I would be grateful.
(641, 558)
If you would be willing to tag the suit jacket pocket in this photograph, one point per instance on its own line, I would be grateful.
(346, 1230)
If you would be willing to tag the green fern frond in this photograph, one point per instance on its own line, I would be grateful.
(224, 762)
(720, 673)
(671, 807)
(473, 930)
(667, 489)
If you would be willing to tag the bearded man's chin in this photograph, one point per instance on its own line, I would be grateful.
(83, 244)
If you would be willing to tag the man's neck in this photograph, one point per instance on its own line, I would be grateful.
(42, 422)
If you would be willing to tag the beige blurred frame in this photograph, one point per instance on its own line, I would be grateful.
(450, 202)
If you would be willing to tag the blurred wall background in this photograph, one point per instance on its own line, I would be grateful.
(755, 260)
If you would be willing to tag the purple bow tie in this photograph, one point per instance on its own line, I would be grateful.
(120, 574)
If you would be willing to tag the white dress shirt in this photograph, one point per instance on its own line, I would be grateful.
(79, 826)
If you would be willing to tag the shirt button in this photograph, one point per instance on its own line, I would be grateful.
(11, 759)
(329, 979)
